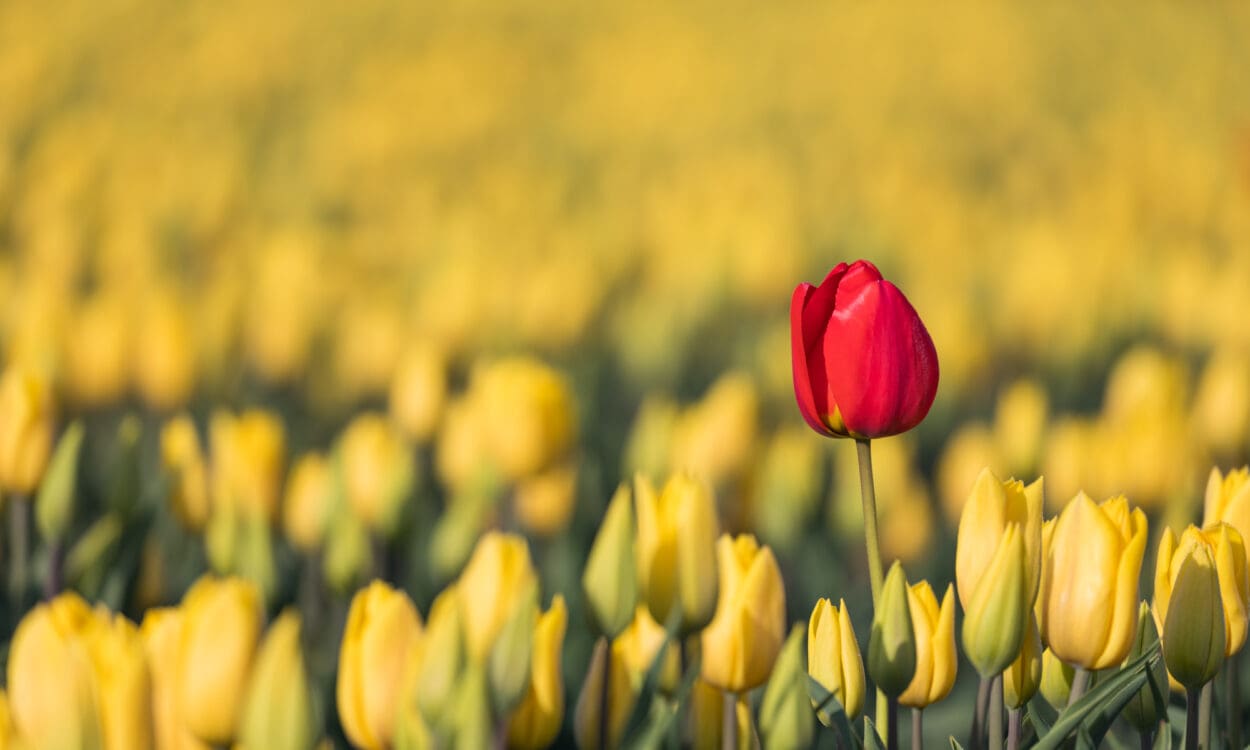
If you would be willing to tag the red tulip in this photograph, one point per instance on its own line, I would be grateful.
(864, 365)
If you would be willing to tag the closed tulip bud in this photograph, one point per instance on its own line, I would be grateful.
(278, 711)
(544, 502)
(310, 499)
(864, 365)
(382, 626)
(991, 507)
(1022, 677)
(183, 462)
(892, 645)
(638, 646)
(586, 716)
(347, 554)
(26, 419)
(936, 659)
(1057, 677)
(161, 632)
(1150, 705)
(1229, 553)
(996, 619)
(418, 391)
(220, 628)
(54, 506)
(1089, 604)
(1228, 499)
(833, 658)
(1193, 628)
(52, 696)
(610, 579)
(531, 422)
(741, 643)
(442, 659)
(536, 722)
(509, 662)
(677, 550)
(377, 470)
(785, 718)
(493, 585)
(248, 452)
(123, 683)
(471, 714)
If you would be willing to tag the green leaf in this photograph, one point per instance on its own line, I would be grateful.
(872, 740)
(955, 743)
(1098, 708)
(1163, 738)
(665, 715)
(650, 684)
(827, 703)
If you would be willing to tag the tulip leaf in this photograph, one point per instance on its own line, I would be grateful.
(1163, 738)
(827, 705)
(666, 715)
(1095, 710)
(1040, 725)
(872, 740)
(650, 684)
(955, 743)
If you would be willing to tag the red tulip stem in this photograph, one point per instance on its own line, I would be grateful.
(868, 494)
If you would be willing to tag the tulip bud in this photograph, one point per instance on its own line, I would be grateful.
(1020, 424)
(1229, 553)
(1193, 628)
(382, 625)
(536, 722)
(586, 716)
(220, 627)
(1227, 499)
(610, 579)
(278, 711)
(52, 697)
(442, 659)
(97, 350)
(705, 723)
(1022, 677)
(164, 366)
(745, 636)
(844, 334)
(161, 632)
(833, 658)
(377, 472)
(936, 659)
(1057, 677)
(26, 418)
(1149, 706)
(310, 499)
(183, 463)
(54, 506)
(785, 719)
(531, 422)
(247, 453)
(347, 554)
(123, 684)
(544, 502)
(892, 645)
(639, 645)
(509, 664)
(677, 550)
(471, 713)
(998, 615)
(991, 507)
(494, 584)
(1088, 607)
(418, 391)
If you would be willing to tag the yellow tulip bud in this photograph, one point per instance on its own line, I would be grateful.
(418, 390)
(936, 659)
(377, 471)
(52, 696)
(785, 718)
(1057, 676)
(638, 646)
(54, 506)
(123, 684)
(492, 586)
(892, 644)
(745, 635)
(310, 499)
(833, 658)
(471, 714)
(347, 554)
(220, 627)
(164, 365)
(1193, 628)
(586, 716)
(26, 419)
(247, 454)
(536, 722)
(1020, 424)
(509, 661)
(651, 435)
(1088, 609)
(992, 506)
(1022, 677)
(183, 462)
(677, 550)
(97, 350)
(715, 438)
(278, 711)
(610, 579)
(544, 502)
(161, 632)
(530, 422)
(441, 659)
(1221, 406)
(1149, 706)
(382, 626)
(1229, 553)
(1228, 499)
(6, 723)
(996, 619)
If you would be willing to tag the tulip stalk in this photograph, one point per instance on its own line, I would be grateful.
(605, 704)
(1204, 715)
(1080, 681)
(1232, 696)
(978, 714)
(872, 541)
(996, 713)
(917, 729)
(729, 722)
(891, 724)
(1191, 719)
(19, 543)
(1014, 719)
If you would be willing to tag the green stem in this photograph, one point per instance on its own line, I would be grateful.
(605, 704)
(1014, 718)
(56, 559)
(1232, 698)
(729, 722)
(1191, 719)
(872, 542)
(891, 722)
(1147, 742)
(1080, 681)
(996, 713)
(1204, 715)
(978, 715)
(19, 544)
(917, 729)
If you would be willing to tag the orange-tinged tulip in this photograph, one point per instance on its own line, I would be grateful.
(536, 722)
(676, 549)
(1090, 571)
(494, 583)
(26, 423)
(936, 659)
(745, 635)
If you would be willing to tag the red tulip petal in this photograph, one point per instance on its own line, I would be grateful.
(798, 358)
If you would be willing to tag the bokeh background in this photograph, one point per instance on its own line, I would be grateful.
(414, 210)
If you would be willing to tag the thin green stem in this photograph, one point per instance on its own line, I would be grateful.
(1080, 681)
(1191, 719)
(1204, 715)
(1232, 699)
(872, 542)
(978, 715)
(917, 729)
(891, 742)
(1147, 741)
(19, 547)
(729, 722)
(605, 703)
(996, 713)
(1014, 718)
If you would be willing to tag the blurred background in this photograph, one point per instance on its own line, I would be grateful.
(543, 246)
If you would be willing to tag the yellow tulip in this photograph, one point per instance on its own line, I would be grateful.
(536, 722)
(248, 452)
(676, 550)
(418, 390)
(589, 709)
(492, 586)
(527, 409)
(97, 350)
(1221, 405)
(26, 423)
(1228, 499)
(1057, 676)
(442, 656)
(1228, 555)
(123, 683)
(309, 500)
(52, 696)
(278, 711)
(164, 365)
(1022, 677)
(544, 502)
(1194, 634)
(161, 632)
(610, 577)
(936, 659)
(991, 507)
(183, 462)
(715, 438)
(997, 618)
(892, 642)
(6, 723)
(220, 626)
(1020, 424)
(745, 635)
(1089, 604)
(638, 646)
(377, 467)
(833, 657)
(382, 626)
